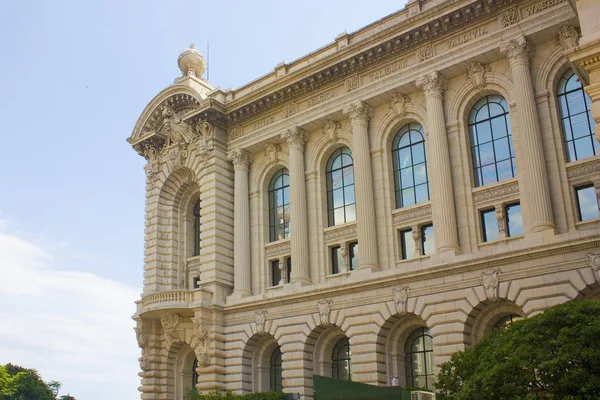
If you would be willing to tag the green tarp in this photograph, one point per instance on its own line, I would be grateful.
(336, 389)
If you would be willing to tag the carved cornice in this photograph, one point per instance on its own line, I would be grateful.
(411, 215)
(277, 249)
(433, 83)
(358, 111)
(240, 159)
(341, 232)
(439, 26)
(517, 50)
(296, 137)
(496, 193)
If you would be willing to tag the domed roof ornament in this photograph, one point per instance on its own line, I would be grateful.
(191, 62)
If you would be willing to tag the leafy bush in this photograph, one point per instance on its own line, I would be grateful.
(228, 395)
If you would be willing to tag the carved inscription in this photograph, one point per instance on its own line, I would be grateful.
(390, 69)
(541, 6)
(263, 122)
(474, 34)
(321, 98)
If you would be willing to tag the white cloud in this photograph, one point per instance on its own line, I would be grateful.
(74, 327)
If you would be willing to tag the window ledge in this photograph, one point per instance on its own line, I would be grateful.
(496, 192)
(279, 248)
(338, 275)
(415, 213)
(344, 231)
(588, 223)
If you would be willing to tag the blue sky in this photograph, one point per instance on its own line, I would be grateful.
(74, 77)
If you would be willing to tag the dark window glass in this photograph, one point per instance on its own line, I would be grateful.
(587, 203)
(279, 206)
(196, 213)
(275, 371)
(337, 261)
(353, 250)
(506, 320)
(341, 363)
(419, 359)
(514, 220)
(194, 373)
(577, 122)
(427, 242)
(489, 225)
(196, 282)
(341, 207)
(407, 243)
(491, 141)
(276, 272)
(410, 166)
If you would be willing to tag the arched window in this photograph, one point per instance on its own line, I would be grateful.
(341, 364)
(197, 228)
(491, 141)
(275, 371)
(410, 166)
(194, 373)
(419, 359)
(577, 121)
(341, 206)
(506, 320)
(279, 206)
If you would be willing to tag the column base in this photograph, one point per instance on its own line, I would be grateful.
(240, 294)
(368, 267)
(301, 281)
(543, 226)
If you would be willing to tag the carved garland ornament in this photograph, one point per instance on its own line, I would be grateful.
(583, 170)
(342, 232)
(424, 53)
(324, 307)
(352, 83)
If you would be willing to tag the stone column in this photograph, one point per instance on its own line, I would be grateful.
(359, 114)
(241, 232)
(296, 138)
(536, 190)
(438, 160)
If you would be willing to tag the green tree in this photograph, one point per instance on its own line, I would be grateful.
(553, 355)
(67, 397)
(18, 383)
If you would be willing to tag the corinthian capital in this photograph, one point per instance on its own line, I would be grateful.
(517, 50)
(240, 158)
(295, 136)
(433, 83)
(358, 112)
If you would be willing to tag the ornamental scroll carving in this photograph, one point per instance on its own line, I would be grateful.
(424, 53)
(142, 340)
(290, 109)
(203, 338)
(490, 281)
(330, 129)
(280, 248)
(583, 170)
(594, 257)
(517, 50)
(400, 299)
(476, 74)
(352, 83)
(324, 307)
(171, 324)
(339, 233)
(398, 103)
(414, 214)
(568, 37)
(509, 17)
(261, 318)
(496, 193)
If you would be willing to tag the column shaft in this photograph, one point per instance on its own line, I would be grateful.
(298, 208)
(359, 114)
(438, 160)
(536, 189)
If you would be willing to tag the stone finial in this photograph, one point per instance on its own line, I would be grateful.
(568, 37)
(476, 74)
(594, 257)
(358, 111)
(261, 318)
(490, 282)
(517, 50)
(296, 137)
(324, 307)
(400, 299)
(240, 158)
(398, 103)
(191, 62)
(433, 83)
(330, 129)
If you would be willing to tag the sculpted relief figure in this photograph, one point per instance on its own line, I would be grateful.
(261, 319)
(170, 324)
(490, 284)
(201, 349)
(400, 298)
(142, 339)
(594, 257)
(324, 307)
(206, 133)
(178, 131)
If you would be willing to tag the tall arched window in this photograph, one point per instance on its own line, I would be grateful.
(577, 121)
(197, 228)
(279, 206)
(419, 359)
(341, 206)
(410, 166)
(275, 371)
(341, 364)
(194, 373)
(491, 141)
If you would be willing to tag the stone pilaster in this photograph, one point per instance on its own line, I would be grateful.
(535, 191)
(241, 232)
(296, 138)
(438, 159)
(359, 114)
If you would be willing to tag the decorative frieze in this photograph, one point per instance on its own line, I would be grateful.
(467, 37)
(424, 53)
(290, 109)
(342, 232)
(490, 281)
(583, 170)
(509, 17)
(418, 213)
(313, 101)
(541, 6)
(278, 249)
(235, 132)
(352, 83)
(496, 193)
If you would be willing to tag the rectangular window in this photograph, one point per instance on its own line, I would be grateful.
(353, 250)
(514, 220)
(407, 244)
(489, 225)
(276, 273)
(337, 261)
(289, 269)
(196, 282)
(427, 243)
(587, 203)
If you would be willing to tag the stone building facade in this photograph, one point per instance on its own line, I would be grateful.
(373, 207)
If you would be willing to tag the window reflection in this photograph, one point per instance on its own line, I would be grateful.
(427, 242)
(341, 362)
(341, 207)
(587, 203)
(410, 166)
(279, 206)
(407, 244)
(419, 362)
(514, 220)
(276, 371)
(490, 225)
